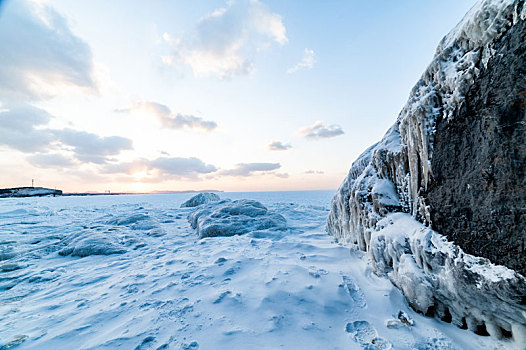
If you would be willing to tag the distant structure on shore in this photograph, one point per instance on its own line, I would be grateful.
(28, 192)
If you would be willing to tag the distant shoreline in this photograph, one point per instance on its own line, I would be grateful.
(16, 192)
(24, 192)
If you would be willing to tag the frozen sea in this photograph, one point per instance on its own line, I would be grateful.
(160, 287)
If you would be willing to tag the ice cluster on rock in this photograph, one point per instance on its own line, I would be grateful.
(230, 218)
(439, 279)
(381, 205)
(201, 198)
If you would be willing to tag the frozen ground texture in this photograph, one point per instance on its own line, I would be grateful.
(128, 272)
(381, 206)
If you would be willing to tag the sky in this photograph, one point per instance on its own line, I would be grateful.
(239, 95)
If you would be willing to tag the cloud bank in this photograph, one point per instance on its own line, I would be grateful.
(50, 161)
(20, 128)
(162, 168)
(23, 128)
(39, 51)
(225, 42)
(88, 147)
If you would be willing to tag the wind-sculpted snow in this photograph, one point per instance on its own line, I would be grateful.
(393, 176)
(268, 289)
(201, 198)
(230, 218)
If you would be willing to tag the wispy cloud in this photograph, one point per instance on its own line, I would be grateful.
(307, 62)
(319, 130)
(248, 169)
(168, 119)
(281, 175)
(314, 172)
(278, 146)
(224, 43)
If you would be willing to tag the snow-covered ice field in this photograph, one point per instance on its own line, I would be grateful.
(160, 287)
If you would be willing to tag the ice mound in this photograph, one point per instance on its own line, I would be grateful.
(139, 222)
(92, 243)
(201, 198)
(229, 218)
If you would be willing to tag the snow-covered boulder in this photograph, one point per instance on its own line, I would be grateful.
(201, 198)
(229, 218)
(452, 167)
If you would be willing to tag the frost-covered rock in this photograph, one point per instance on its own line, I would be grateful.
(229, 218)
(201, 198)
(91, 243)
(464, 121)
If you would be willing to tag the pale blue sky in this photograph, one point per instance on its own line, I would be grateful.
(233, 64)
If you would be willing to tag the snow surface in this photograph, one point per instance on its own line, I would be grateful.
(157, 286)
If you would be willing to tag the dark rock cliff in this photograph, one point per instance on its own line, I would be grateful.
(439, 203)
(478, 193)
